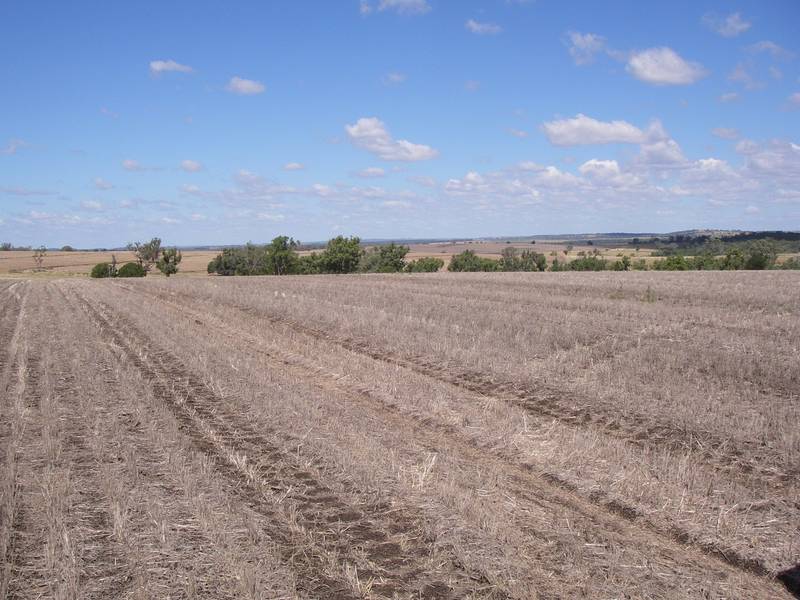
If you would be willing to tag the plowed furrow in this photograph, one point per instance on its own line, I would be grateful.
(733, 457)
(614, 521)
(266, 469)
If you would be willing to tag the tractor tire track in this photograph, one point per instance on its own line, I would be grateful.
(267, 471)
(614, 518)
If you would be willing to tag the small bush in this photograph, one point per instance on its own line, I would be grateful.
(426, 264)
(131, 270)
(102, 270)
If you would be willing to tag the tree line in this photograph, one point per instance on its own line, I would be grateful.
(340, 255)
(346, 255)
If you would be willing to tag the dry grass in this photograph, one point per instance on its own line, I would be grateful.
(483, 436)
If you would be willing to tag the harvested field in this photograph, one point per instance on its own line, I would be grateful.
(503, 435)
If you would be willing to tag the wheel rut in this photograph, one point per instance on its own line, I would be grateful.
(598, 511)
(386, 542)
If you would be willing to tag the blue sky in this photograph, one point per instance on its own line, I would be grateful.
(212, 123)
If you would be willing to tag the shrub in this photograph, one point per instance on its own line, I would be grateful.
(131, 270)
(426, 264)
(468, 261)
(389, 258)
(168, 263)
(341, 255)
(102, 270)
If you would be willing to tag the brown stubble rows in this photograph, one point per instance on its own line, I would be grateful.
(228, 442)
(724, 481)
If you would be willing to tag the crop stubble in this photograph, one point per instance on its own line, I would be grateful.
(312, 458)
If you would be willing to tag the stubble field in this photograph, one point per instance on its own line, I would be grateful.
(503, 435)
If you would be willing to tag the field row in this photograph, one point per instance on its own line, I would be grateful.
(356, 437)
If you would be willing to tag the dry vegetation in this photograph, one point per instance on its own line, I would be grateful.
(546, 435)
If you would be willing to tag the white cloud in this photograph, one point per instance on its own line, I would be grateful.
(133, 165)
(662, 153)
(479, 28)
(244, 87)
(191, 166)
(729, 97)
(170, 221)
(163, 66)
(393, 78)
(472, 85)
(102, 184)
(21, 191)
(794, 100)
(197, 217)
(771, 48)
(91, 205)
(582, 130)
(729, 26)
(371, 173)
(775, 72)
(403, 7)
(742, 74)
(371, 134)
(726, 133)
(270, 217)
(664, 66)
(584, 46)
(189, 188)
(13, 146)
(396, 204)
(752, 210)
(294, 166)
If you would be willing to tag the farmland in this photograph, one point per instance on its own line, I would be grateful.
(470, 435)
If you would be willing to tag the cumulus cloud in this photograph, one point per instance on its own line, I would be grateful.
(725, 133)
(133, 165)
(742, 74)
(294, 166)
(581, 130)
(393, 78)
(371, 173)
(584, 46)
(371, 134)
(770, 48)
(403, 7)
(479, 28)
(244, 87)
(102, 184)
(13, 146)
(794, 100)
(472, 85)
(23, 191)
(163, 66)
(729, 26)
(91, 205)
(519, 133)
(729, 97)
(664, 66)
(191, 166)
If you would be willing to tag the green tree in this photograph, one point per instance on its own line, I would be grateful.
(102, 270)
(131, 270)
(761, 254)
(341, 255)
(471, 262)
(426, 264)
(147, 253)
(388, 258)
(169, 261)
(281, 256)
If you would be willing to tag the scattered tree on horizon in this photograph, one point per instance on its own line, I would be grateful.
(169, 261)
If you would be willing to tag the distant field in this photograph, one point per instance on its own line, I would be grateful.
(80, 263)
(195, 261)
(498, 435)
